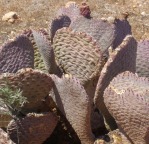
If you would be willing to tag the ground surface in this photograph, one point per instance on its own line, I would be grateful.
(38, 13)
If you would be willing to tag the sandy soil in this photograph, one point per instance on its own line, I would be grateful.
(38, 14)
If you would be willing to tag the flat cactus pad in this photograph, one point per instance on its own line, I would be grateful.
(142, 62)
(102, 31)
(71, 10)
(77, 54)
(122, 28)
(58, 23)
(127, 99)
(16, 54)
(74, 103)
(38, 60)
(121, 59)
(34, 84)
(32, 129)
(46, 51)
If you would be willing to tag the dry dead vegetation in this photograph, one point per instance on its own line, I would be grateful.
(38, 13)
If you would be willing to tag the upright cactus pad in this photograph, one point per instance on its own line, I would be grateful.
(38, 60)
(127, 99)
(121, 59)
(122, 28)
(58, 23)
(32, 129)
(16, 54)
(77, 54)
(34, 84)
(71, 10)
(103, 32)
(142, 62)
(46, 51)
(74, 103)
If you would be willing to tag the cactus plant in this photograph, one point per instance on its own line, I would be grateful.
(64, 39)
(126, 98)
(76, 55)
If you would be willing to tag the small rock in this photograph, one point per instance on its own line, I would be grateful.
(70, 3)
(104, 19)
(111, 19)
(10, 17)
(143, 13)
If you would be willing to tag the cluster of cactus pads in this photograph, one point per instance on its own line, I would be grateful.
(83, 78)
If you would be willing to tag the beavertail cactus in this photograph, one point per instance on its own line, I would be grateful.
(32, 129)
(105, 33)
(77, 54)
(122, 28)
(102, 32)
(58, 23)
(121, 59)
(74, 103)
(76, 51)
(34, 84)
(39, 62)
(71, 10)
(46, 52)
(16, 54)
(126, 98)
(142, 62)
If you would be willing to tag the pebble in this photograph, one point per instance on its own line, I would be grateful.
(69, 3)
(143, 13)
(111, 19)
(10, 17)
